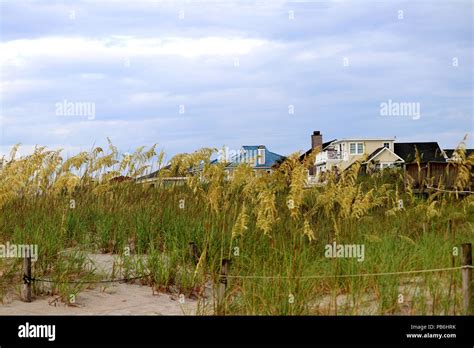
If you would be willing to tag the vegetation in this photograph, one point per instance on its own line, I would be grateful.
(272, 227)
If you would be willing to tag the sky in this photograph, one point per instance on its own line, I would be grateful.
(192, 74)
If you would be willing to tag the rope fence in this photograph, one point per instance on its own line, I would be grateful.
(29, 279)
(466, 268)
(352, 275)
(448, 191)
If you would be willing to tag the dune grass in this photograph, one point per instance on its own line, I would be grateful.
(269, 225)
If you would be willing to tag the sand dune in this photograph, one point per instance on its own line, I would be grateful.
(116, 299)
(111, 299)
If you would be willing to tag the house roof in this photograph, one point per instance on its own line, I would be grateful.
(327, 143)
(250, 152)
(450, 152)
(379, 150)
(153, 174)
(375, 153)
(429, 152)
(363, 139)
(323, 147)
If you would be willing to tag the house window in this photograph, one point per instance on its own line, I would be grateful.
(387, 145)
(356, 148)
(352, 147)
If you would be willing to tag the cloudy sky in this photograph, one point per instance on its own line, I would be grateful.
(193, 74)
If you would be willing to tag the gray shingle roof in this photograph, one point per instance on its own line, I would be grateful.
(450, 152)
(429, 152)
(323, 147)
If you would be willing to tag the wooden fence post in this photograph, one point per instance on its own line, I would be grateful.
(26, 289)
(466, 260)
(194, 252)
(222, 287)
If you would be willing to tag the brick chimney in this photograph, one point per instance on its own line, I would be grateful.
(316, 140)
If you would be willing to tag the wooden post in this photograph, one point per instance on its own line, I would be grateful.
(452, 283)
(26, 289)
(222, 287)
(194, 252)
(466, 260)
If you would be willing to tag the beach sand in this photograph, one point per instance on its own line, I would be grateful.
(104, 299)
(115, 299)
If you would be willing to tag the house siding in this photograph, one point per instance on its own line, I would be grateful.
(386, 157)
(369, 147)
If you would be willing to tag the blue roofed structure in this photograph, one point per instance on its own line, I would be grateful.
(257, 156)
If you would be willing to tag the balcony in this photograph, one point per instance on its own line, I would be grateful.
(331, 155)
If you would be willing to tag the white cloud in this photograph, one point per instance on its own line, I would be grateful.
(145, 98)
(91, 76)
(17, 86)
(191, 62)
(21, 51)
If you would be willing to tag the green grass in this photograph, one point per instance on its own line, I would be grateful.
(162, 231)
(271, 240)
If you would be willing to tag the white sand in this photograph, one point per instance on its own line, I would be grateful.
(116, 299)
(104, 299)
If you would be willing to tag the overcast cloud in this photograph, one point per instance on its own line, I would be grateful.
(234, 68)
